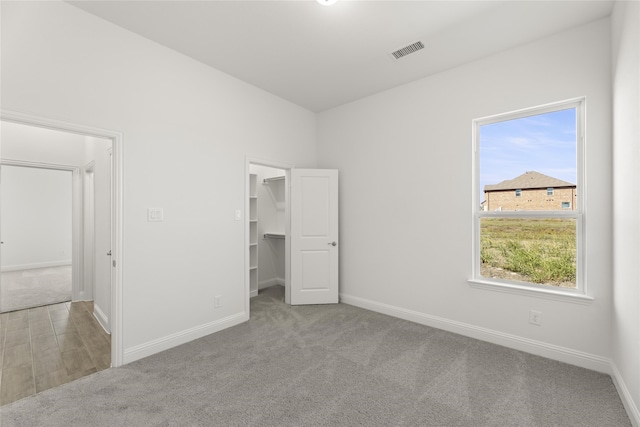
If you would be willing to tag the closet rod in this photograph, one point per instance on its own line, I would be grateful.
(273, 236)
(275, 178)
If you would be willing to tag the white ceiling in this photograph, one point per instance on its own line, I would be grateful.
(320, 57)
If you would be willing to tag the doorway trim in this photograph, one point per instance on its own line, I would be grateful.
(88, 230)
(117, 212)
(287, 227)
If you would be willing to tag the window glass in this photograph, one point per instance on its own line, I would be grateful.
(534, 154)
(536, 250)
(528, 224)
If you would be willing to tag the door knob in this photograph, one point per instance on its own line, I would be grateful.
(333, 244)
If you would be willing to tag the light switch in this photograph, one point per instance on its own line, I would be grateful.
(155, 214)
(238, 214)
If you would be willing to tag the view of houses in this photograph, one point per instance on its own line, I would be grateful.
(531, 191)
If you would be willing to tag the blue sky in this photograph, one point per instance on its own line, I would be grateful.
(544, 143)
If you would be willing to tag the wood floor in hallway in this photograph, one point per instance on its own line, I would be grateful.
(48, 346)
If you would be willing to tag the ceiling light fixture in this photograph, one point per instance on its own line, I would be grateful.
(326, 2)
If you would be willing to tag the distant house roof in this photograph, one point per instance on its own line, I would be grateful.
(529, 180)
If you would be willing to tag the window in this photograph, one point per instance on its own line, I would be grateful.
(532, 244)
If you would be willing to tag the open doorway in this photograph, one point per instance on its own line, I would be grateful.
(268, 221)
(297, 209)
(36, 212)
(78, 329)
(46, 222)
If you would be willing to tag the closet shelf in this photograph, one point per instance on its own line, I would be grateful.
(273, 235)
(275, 178)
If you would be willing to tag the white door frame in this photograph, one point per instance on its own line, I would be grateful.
(88, 229)
(287, 228)
(117, 234)
(77, 268)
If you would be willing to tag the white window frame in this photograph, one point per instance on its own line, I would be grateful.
(579, 293)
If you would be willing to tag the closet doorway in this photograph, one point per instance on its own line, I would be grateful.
(292, 214)
(268, 231)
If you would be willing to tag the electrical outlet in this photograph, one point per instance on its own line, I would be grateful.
(535, 317)
(217, 301)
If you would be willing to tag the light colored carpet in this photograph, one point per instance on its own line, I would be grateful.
(33, 288)
(333, 365)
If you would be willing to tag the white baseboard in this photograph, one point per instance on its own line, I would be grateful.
(102, 318)
(156, 346)
(625, 396)
(550, 351)
(253, 294)
(271, 282)
(34, 265)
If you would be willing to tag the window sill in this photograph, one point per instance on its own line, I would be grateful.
(553, 294)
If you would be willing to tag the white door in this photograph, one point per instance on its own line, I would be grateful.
(106, 293)
(112, 217)
(314, 236)
(102, 239)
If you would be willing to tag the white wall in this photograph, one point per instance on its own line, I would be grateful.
(36, 209)
(271, 214)
(405, 159)
(626, 212)
(187, 131)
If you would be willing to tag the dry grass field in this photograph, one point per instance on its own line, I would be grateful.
(537, 250)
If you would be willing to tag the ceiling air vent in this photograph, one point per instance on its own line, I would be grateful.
(413, 47)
